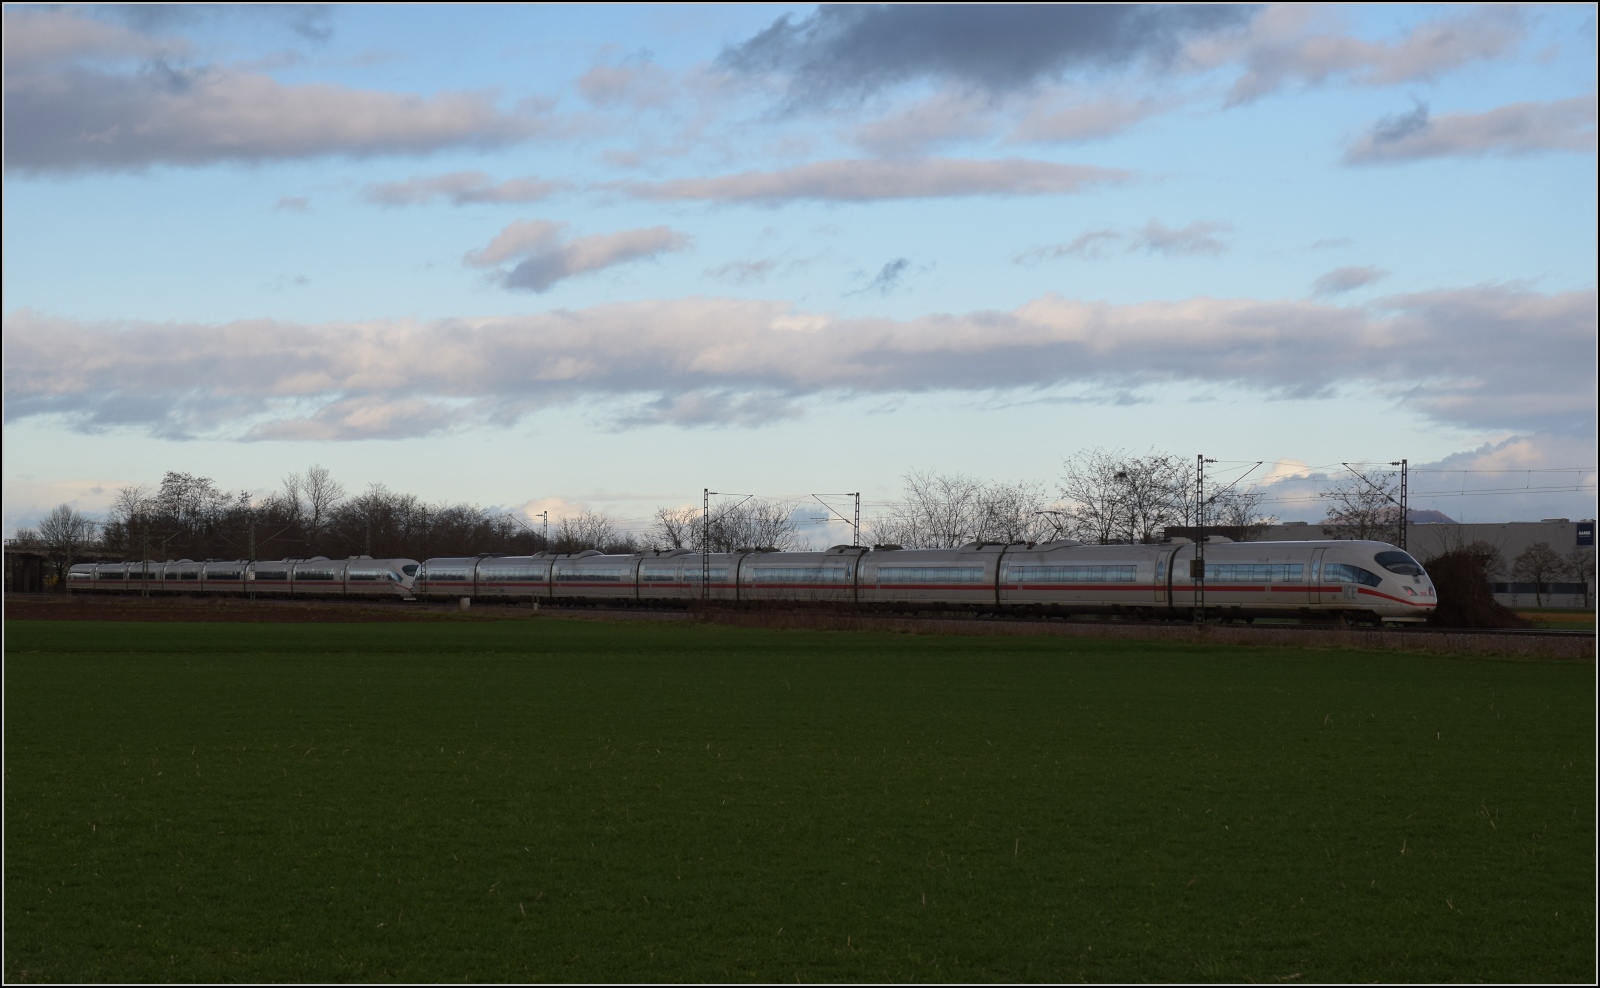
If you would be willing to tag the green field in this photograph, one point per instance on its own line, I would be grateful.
(549, 799)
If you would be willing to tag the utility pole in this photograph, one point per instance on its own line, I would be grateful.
(251, 574)
(1405, 512)
(368, 549)
(705, 544)
(855, 525)
(144, 552)
(1198, 567)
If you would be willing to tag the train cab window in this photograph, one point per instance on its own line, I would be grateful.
(1399, 562)
(1346, 573)
(409, 569)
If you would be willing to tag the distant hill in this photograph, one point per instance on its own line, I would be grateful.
(1429, 517)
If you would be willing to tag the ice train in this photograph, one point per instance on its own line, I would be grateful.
(1362, 581)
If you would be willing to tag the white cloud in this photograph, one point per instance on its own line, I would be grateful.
(1492, 357)
(1295, 44)
(1517, 128)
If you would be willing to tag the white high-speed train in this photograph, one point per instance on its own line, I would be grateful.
(1367, 581)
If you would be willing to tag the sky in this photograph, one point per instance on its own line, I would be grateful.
(557, 258)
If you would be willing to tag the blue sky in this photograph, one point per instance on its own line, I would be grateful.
(602, 257)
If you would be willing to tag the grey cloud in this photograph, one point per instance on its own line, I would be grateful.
(292, 204)
(1514, 129)
(1341, 280)
(870, 180)
(1494, 357)
(461, 189)
(887, 277)
(62, 116)
(743, 272)
(544, 256)
(1280, 50)
(34, 36)
(1199, 237)
(849, 52)
(309, 21)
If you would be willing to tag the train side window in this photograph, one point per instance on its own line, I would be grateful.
(1346, 573)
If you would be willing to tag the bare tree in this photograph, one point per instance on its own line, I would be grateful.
(1093, 494)
(293, 497)
(1237, 515)
(1540, 565)
(591, 530)
(938, 511)
(1580, 563)
(65, 532)
(755, 523)
(1012, 513)
(1363, 508)
(322, 495)
(675, 528)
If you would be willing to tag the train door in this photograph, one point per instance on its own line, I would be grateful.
(1314, 578)
(1163, 584)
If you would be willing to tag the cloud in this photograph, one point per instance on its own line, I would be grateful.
(1495, 357)
(1341, 280)
(1198, 237)
(1084, 120)
(850, 52)
(1284, 47)
(635, 82)
(461, 188)
(1514, 129)
(292, 204)
(887, 278)
(544, 256)
(744, 272)
(944, 118)
(75, 102)
(43, 36)
(868, 181)
(1086, 246)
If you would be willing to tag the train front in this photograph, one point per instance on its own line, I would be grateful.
(1382, 580)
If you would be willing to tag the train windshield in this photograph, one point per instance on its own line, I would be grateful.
(409, 569)
(1399, 562)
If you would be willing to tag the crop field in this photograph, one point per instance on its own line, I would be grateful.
(546, 799)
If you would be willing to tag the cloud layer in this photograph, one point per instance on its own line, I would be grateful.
(1487, 357)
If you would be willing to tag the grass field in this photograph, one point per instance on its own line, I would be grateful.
(564, 800)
